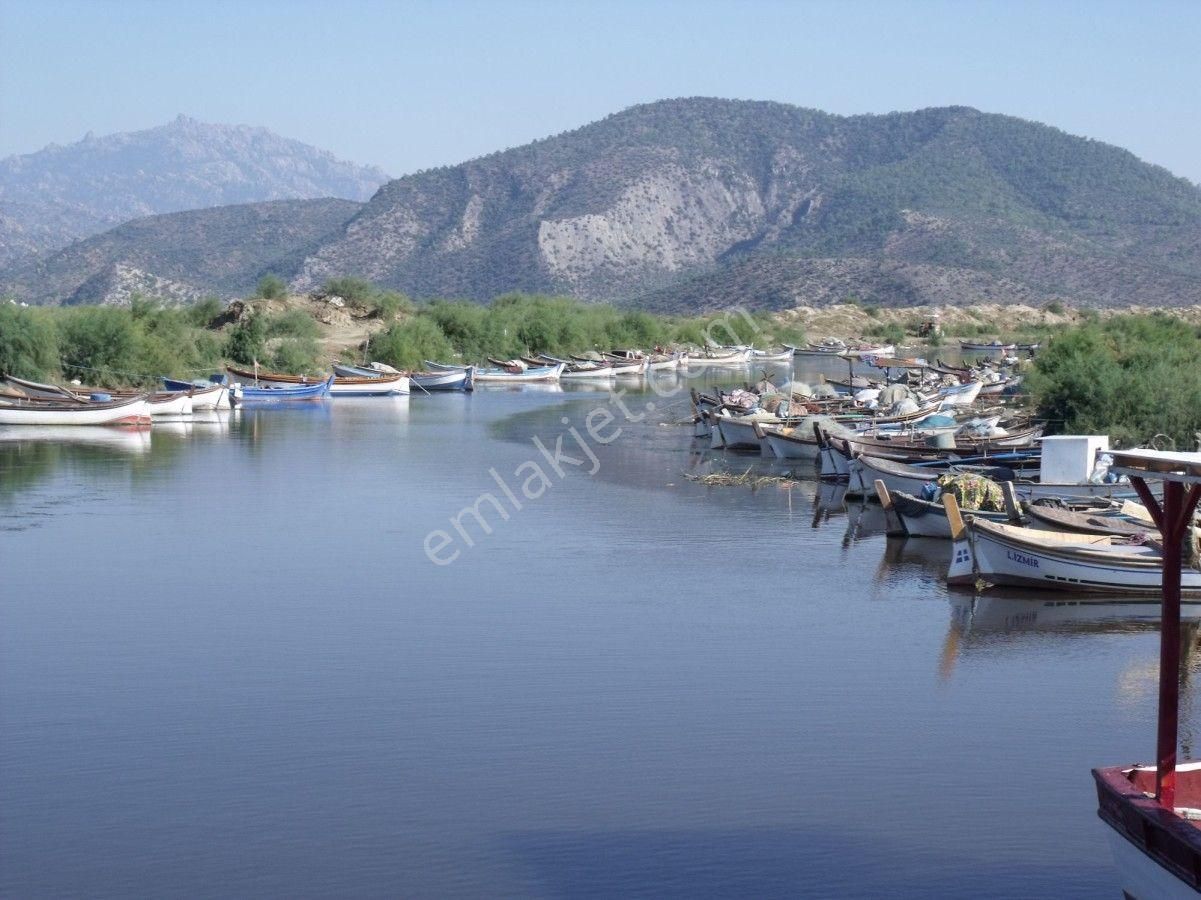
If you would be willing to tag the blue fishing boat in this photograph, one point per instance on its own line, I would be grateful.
(242, 395)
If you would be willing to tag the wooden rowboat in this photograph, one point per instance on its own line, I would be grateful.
(124, 411)
(374, 385)
(304, 393)
(444, 379)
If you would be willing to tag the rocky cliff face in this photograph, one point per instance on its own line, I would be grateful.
(61, 194)
(181, 257)
(687, 203)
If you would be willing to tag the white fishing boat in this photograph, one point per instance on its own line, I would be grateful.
(735, 357)
(741, 432)
(517, 375)
(214, 396)
(960, 394)
(665, 362)
(205, 394)
(382, 386)
(447, 378)
(789, 443)
(862, 350)
(1004, 554)
(583, 372)
(124, 411)
(169, 403)
(773, 356)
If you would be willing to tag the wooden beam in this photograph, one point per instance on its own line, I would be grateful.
(1149, 501)
(954, 517)
(1012, 507)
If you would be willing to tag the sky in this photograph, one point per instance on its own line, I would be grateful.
(413, 85)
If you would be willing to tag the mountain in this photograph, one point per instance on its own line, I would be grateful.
(60, 194)
(698, 203)
(183, 256)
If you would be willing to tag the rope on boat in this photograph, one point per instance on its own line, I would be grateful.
(66, 362)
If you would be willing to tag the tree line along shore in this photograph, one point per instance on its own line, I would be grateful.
(1132, 376)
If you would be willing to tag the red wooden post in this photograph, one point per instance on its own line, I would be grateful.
(1169, 647)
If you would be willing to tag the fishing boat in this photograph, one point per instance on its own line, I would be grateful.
(36, 389)
(1003, 554)
(937, 443)
(828, 347)
(343, 370)
(1124, 519)
(613, 365)
(241, 395)
(742, 432)
(991, 347)
(444, 379)
(205, 394)
(518, 375)
(729, 356)
(960, 394)
(42, 411)
(377, 384)
(169, 403)
(859, 351)
(912, 516)
(773, 356)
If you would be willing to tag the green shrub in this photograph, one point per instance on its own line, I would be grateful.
(1054, 307)
(406, 344)
(202, 313)
(28, 343)
(890, 334)
(292, 323)
(271, 287)
(296, 356)
(354, 290)
(247, 339)
(1131, 378)
(98, 344)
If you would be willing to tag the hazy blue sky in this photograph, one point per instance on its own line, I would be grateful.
(413, 85)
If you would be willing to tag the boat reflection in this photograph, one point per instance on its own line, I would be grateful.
(127, 440)
(982, 615)
(925, 559)
(982, 621)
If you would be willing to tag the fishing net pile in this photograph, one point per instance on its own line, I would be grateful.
(972, 491)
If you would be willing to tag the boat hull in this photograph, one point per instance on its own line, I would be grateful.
(445, 380)
(500, 376)
(1156, 852)
(123, 412)
(997, 557)
(382, 386)
(738, 434)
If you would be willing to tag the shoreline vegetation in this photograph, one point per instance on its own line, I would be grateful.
(1129, 374)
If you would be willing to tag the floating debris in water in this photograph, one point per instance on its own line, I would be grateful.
(744, 479)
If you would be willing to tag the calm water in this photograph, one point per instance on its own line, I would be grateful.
(228, 668)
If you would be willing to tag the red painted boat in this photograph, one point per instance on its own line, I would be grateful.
(1154, 812)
